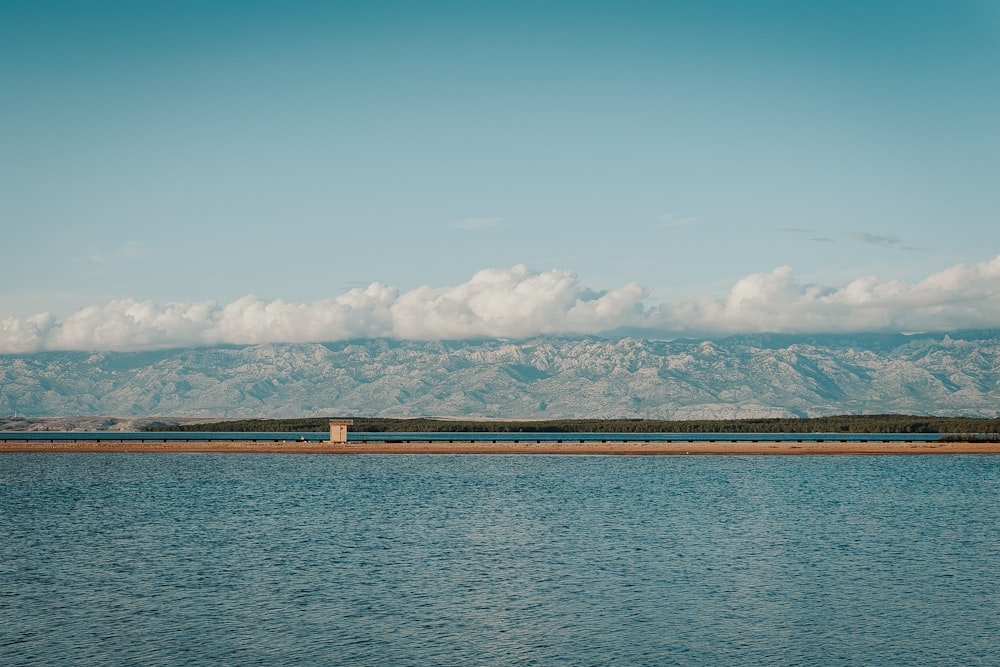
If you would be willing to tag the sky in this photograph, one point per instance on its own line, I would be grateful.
(186, 173)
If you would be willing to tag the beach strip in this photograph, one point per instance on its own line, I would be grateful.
(741, 448)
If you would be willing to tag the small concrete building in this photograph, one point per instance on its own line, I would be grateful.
(338, 430)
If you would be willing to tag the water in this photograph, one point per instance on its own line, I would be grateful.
(198, 559)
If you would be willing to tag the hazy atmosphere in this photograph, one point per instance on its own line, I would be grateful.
(185, 173)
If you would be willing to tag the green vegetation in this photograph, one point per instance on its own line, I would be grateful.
(837, 424)
(986, 437)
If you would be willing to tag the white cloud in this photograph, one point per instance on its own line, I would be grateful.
(519, 302)
(959, 297)
(512, 303)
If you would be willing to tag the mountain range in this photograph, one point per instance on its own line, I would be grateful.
(748, 376)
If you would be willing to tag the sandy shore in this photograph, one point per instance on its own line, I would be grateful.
(605, 448)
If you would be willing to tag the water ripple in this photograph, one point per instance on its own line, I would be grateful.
(503, 560)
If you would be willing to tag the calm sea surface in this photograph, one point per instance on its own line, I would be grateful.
(171, 559)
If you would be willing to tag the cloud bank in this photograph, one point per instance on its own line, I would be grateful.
(518, 303)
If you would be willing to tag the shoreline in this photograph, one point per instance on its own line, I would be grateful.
(624, 448)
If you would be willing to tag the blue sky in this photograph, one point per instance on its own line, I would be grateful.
(190, 153)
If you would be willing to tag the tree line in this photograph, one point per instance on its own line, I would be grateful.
(834, 424)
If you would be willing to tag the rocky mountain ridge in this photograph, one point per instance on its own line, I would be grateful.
(737, 377)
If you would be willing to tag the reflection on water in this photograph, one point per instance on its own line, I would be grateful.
(498, 560)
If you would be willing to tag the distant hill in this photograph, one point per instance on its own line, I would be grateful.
(540, 378)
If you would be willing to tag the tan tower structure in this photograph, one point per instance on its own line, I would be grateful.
(338, 430)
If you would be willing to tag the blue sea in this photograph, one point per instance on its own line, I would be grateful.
(230, 559)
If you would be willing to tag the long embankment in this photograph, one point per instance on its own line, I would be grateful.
(762, 447)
